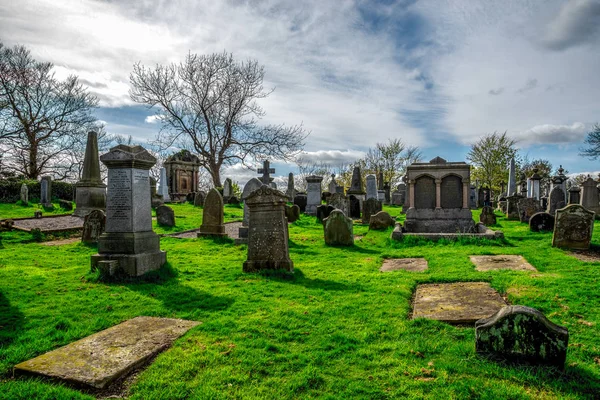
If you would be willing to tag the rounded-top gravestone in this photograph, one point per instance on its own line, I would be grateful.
(381, 221)
(165, 216)
(487, 216)
(540, 222)
(338, 229)
(212, 215)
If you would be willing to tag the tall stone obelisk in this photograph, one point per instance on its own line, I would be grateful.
(90, 191)
(512, 179)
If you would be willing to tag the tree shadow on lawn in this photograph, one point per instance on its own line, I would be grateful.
(297, 278)
(11, 321)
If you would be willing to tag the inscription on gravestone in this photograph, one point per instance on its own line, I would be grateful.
(425, 192)
(451, 192)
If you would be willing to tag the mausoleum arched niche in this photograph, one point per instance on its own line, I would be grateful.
(451, 191)
(424, 192)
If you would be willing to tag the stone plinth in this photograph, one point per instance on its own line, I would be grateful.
(522, 334)
(101, 358)
(129, 238)
(439, 221)
(313, 193)
(90, 191)
(267, 231)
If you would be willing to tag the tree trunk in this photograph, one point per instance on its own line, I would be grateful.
(32, 170)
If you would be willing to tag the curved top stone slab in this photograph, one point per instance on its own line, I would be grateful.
(266, 194)
(124, 156)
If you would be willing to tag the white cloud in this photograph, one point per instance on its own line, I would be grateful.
(331, 157)
(557, 134)
(152, 119)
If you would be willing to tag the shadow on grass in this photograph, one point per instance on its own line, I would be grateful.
(297, 278)
(11, 321)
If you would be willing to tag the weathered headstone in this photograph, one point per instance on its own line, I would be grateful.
(323, 211)
(512, 209)
(268, 231)
(300, 200)
(381, 221)
(165, 216)
(354, 206)
(250, 186)
(93, 226)
(90, 193)
(65, 204)
(24, 195)
(163, 188)
(387, 195)
(522, 334)
(313, 193)
(338, 229)
(527, 207)
(227, 190)
(290, 192)
(370, 207)
(556, 200)
(487, 216)
(212, 215)
(589, 195)
(292, 213)
(399, 194)
(199, 198)
(341, 202)
(332, 185)
(46, 190)
(541, 221)
(573, 227)
(129, 238)
(371, 187)
(574, 194)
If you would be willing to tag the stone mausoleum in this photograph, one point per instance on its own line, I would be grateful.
(182, 174)
(439, 197)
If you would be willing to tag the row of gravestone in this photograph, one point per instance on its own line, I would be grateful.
(46, 187)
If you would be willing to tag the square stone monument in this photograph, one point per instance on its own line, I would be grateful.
(128, 239)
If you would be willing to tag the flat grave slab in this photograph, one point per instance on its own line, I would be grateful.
(592, 255)
(103, 357)
(50, 224)
(231, 230)
(456, 303)
(513, 262)
(406, 264)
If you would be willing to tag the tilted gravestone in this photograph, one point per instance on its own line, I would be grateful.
(128, 239)
(339, 201)
(268, 231)
(527, 207)
(165, 216)
(370, 207)
(381, 221)
(522, 334)
(354, 206)
(323, 211)
(24, 194)
(589, 195)
(556, 200)
(292, 213)
(541, 221)
(573, 227)
(371, 187)
(212, 215)
(487, 216)
(300, 200)
(93, 226)
(313, 193)
(338, 229)
(90, 191)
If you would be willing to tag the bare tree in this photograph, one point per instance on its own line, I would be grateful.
(308, 168)
(41, 118)
(211, 101)
(592, 141)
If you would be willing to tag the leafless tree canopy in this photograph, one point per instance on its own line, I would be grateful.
(41, 118)
(211, 100)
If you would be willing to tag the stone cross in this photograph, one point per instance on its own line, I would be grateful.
(266, 171)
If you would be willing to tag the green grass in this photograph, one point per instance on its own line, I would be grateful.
(337, 328)
(17, 210)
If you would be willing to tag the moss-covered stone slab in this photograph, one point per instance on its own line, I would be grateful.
(103, 357)
(406, 264)
(456, 303)
(514, 262)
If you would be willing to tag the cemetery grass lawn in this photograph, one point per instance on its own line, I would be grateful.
(337, 328)
(16, 210)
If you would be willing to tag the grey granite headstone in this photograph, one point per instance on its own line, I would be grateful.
(290, 192)
(90, 191)
(45, 190)
(292, 213)
(556, 200)
(387, 194)
(165, 216)
(527, 207)
(370, 207)
(339, 201)
(212, 215)
(589, 195)
(199, 197)
(487, 216)
(512, 209)
(268, 231)
(24, 194)
(541, 221)
(227, 190)
(252, 185)
(93, 226)
(522, 334)
(300, 199)
(163, 188)
(573, 227)
(129, 238)
(313, 194)
(332, 185)
(323, 211)
(371, 187)
(574, 194)
(354, 206)
(338, 229)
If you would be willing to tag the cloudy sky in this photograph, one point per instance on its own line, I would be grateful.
(437, 74)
